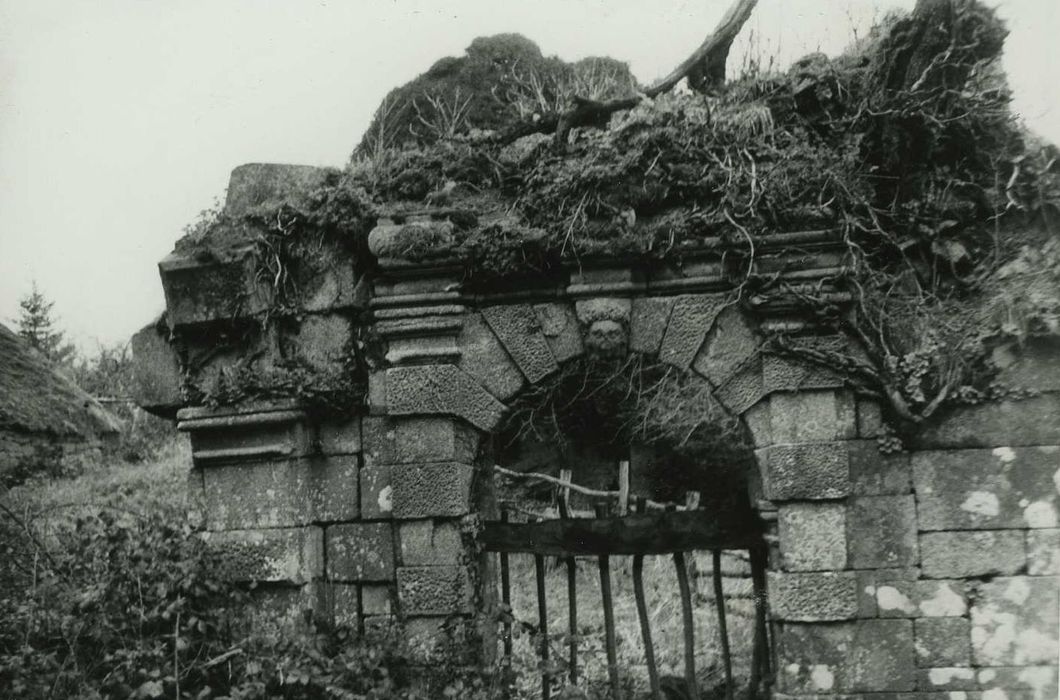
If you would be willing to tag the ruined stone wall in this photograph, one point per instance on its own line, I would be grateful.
(927, 571)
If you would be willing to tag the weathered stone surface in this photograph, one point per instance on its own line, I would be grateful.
(377, 492)
(873, 473)
(1014, 622)
(520, 332)
(810, 471)
(287, 555)
(867, 655)
(280, 494)
(334, 287)
(433, 590)
(431, 542)
(759, 423)
(791, 374)
(743, 389)
(1043, 552)
(418, 439)
(729, 345)
(870, 418)
(887, 592)
(483, 356)
(196, 488)
(971, 553)
(282, 609)
(648, 322)
(431, 490)
(263, 495)
(1033, 365)
(219, 289)
(1034, 421)
(881, 532)
(605, 321)
(343, 602)
(812, 416)
(946, 678)
(444, 389)
(421, 349)
(943, 641)
(360, 552)
(256, 187)
(987, 489)
(323, 341)
(692, 316)
(377, 599)
(560, 327)
(250, 432)
(813, 536)
(339, 438)
(813, 597)
(1036, 682)
(156, 370)
(333, 488)
(377, 392)
(941, 598)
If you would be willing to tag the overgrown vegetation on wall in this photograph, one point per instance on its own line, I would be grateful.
(904, 145)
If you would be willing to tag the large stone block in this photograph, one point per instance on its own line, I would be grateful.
(943, 641)
(418, 439)
(288, 555)
(156, 370)
(281, 494)
(783, 373)
(323, 341)
(972, 553)
(881, 532)
(219, 288)
(1014, 622)
(812, 416)
(560, 327)
(1019, 682)
(433, 590)
(987, 489)
(343, 603)
(1034, 364)
(377, 492)
(441, 489)
(894, 591)
(953, 679)
(519, 331)
(431, 543)
(867, 655)
(339, 438)
(742, 390)
(814, 597)
(1034, 421)
(941, 598)
(692, 316)
(873, 473)
(252, 432)
(360, 552)
(441, 389)
(257, 187)
(810, 471)
(1043, 552)
(648, 322)
(729, 347)
(813, 536)
(484, 357)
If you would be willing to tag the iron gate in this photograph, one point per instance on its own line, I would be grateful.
(643, 532)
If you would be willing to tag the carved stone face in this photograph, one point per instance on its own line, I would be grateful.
(606, 337)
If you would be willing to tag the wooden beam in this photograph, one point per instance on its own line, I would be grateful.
(648, 533)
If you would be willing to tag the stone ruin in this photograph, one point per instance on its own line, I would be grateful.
(921, 572)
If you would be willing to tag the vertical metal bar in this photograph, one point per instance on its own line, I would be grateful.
(723, 629)
(759, 652)
(572, 587)
(609, 618)
(506, 595)
(689, 624)
(642, 615)
(542, 623)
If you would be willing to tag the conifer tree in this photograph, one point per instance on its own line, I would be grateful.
(37, 327)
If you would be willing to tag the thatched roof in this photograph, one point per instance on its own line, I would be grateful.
(35, 398)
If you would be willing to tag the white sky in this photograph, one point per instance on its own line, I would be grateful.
(121, 119)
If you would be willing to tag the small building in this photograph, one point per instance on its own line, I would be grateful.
(47, 423)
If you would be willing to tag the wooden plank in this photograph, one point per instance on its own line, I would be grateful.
(610, 644)
(642, 533)
(572, 587)
(623, 487)
(506, 597)
(723, 627)
(760, 651)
